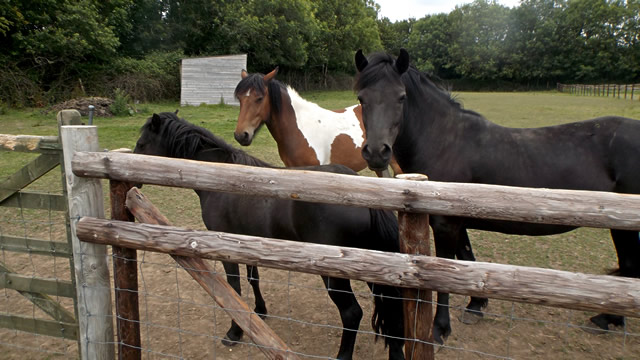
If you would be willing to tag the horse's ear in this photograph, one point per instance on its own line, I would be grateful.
(177, 111)
(402, 62)
(244, 74)
(271, 75)
(361, 60)
(156, 121)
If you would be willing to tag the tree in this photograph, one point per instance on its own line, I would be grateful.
(345, 26)
(533, 42)
(429, 44)
(395, 35)
(479, 30)
(53, 42)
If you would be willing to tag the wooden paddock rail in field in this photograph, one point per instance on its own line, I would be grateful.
(607, 90)
(566, 207)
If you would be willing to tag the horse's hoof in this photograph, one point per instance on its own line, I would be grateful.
(470, 317)
(439, 337)
(598, 325)
(228, 342)
(261, 314)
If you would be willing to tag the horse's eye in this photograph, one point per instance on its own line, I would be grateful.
(402, 98)
(258, 100)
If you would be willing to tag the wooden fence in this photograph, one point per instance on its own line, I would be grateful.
(515, 283)
(621, 91)
(38, 290)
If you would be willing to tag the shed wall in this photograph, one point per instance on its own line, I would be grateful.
(211, 80)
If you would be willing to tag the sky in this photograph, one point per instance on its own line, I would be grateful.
(403, 9)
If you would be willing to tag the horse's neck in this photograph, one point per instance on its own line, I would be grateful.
(429, 125)
(293, 147)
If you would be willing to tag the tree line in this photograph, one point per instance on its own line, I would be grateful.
(53, 50)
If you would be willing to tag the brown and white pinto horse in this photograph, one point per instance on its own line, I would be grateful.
(306, 133)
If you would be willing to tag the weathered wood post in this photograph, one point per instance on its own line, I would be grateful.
(125, 279)
(418, 313)
(85, 198)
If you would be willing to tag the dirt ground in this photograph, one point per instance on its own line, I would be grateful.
(179, 320)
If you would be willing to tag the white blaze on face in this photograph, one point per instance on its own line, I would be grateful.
(321, 126)
(248, 93)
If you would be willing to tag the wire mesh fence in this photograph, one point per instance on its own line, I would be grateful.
(180, 320)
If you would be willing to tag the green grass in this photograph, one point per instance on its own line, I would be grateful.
(508, 109)
(584, 250)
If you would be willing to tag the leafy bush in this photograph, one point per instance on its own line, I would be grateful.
(120, 106)
(152, 78)
(17, 89)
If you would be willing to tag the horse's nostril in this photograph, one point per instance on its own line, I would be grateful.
(386, 150)
(241, 137)
(366, 152)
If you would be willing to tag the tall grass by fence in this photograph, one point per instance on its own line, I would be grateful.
(621, 91)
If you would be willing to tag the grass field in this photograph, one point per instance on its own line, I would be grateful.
(583, 250)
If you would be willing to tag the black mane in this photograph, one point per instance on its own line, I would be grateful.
(256, 81)
(185, 140)
(380, 65)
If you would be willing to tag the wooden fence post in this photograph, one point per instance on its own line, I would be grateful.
(125, 279)
(418, 313)
(90, 260)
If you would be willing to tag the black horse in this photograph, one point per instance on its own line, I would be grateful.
(406, 114)
(165, 134)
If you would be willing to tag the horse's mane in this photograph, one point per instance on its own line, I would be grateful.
(256, 81)
(185, 140)
(380, 65)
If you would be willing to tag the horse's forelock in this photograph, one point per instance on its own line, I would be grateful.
(251, 82)
(379, 65)
(256, 83)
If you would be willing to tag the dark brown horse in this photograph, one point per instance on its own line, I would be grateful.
(407, 115)
(165, 134)
(306, 133)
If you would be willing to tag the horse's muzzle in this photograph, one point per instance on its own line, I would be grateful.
(243, 138)
(379, 159)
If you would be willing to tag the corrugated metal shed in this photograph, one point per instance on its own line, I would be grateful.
(211, 80)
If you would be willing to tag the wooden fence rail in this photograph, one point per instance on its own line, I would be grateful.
(566, 207)
(608, 90)
(499, 202)
(507, 282)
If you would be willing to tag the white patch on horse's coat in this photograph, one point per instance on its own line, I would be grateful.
(248, 93)
(321, 126)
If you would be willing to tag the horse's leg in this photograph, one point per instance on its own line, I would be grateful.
(254, 281)
(444, 233)
(473, 312)
(350, 312)
(388, 318)
(233, 278)
(627, 246)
